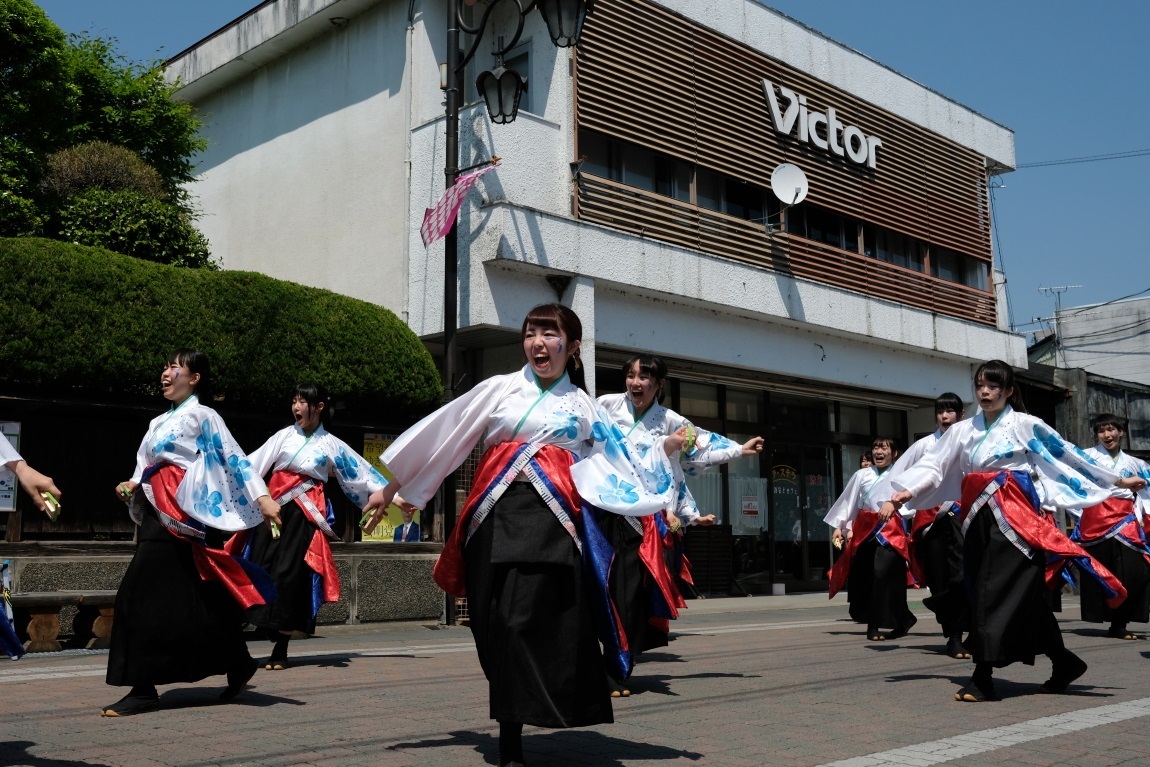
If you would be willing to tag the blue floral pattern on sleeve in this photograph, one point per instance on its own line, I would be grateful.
(346, 465)
(208, 502)
(211, 445)
(240, 468)
(617, 491)
(1073, 484)
(660, 478)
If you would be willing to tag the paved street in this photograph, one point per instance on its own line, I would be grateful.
(748, 681)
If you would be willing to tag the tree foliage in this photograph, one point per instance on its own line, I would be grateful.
(78, 320)
(134, 224)
(58, 92)
(100, 165)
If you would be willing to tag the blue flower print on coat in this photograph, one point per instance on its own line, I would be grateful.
(382, 480)
(240, 468)
(660, 479)
(601, 432)
(719, 442)
(320, 461)
(211, 445)
(1052, 443)
(617, 491)
(208, 503)
(346, 466)
(1073, 484)
(564, 426)
(1001, 450)
(166, 444)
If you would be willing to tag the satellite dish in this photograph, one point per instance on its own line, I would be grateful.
(789, 184)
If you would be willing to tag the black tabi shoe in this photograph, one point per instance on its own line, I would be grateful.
(136, 702)
(980, 689)
(1120, 632)
(1068, 668)
(238, 678)
(955, 649)
(903, 630)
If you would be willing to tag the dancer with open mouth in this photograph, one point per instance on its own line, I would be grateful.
(1010, 469)
(179, 608)
(526, 551)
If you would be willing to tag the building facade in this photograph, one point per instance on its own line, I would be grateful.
(635, 187)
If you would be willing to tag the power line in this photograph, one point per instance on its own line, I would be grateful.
(1090, 158)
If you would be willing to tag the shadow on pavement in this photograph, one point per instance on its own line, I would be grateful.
(202, 697)
(16, 752)
(559, 747)
(1006, 688)
(660, 684)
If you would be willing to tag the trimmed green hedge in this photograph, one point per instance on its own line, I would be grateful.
(88, 321)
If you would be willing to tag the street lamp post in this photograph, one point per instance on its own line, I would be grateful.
(564, 19)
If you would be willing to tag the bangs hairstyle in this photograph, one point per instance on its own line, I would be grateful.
(1002, 374)
(652, 366)
(561, 318)
(889, 442)
(314, 395)
(196, 362)
(948, 401)
(1098, 422)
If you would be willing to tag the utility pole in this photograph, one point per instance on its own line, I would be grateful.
(1057, 291)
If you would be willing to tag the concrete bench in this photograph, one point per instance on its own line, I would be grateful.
(95, 614)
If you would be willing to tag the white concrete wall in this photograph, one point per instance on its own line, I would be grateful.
(781, 37)
(1111, 340)
(305, 174)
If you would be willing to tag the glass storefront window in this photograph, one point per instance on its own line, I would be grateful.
(854, 419)
(699, 400)
(890, 424)
(747, 499)
(743, 405)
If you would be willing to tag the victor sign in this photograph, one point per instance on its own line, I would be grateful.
(823, 129)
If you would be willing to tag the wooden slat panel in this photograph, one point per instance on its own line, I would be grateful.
(626, 208)
(651, 77)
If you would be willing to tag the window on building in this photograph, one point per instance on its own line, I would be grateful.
(955, 267)
(698, 400)
(743, 200)
(674, 179)
(595, 148)
(519, 59)
(743, 405)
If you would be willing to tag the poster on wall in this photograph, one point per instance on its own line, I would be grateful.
(11, 432)
(392, 524)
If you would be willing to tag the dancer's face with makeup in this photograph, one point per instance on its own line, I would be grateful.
(177, 382)
(547, 350)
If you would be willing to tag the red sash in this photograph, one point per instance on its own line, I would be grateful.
(1113, 518)
(318, 556)
(491, 480)
(651, 554)
(990, 492)
(211, 564)
(867, 525)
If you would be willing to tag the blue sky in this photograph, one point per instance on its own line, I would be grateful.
(1067, 77)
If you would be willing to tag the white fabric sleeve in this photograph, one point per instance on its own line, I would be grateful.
(425, 454)
(846, 506)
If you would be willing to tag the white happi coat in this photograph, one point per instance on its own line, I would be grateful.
(317, 456)
(659, 422)
(867, 489)
(1064, 475)
(8, 453)
(1125, 465)
(219, 487)
(512, 408)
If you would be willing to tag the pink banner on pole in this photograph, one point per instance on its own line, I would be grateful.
(437, 220)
